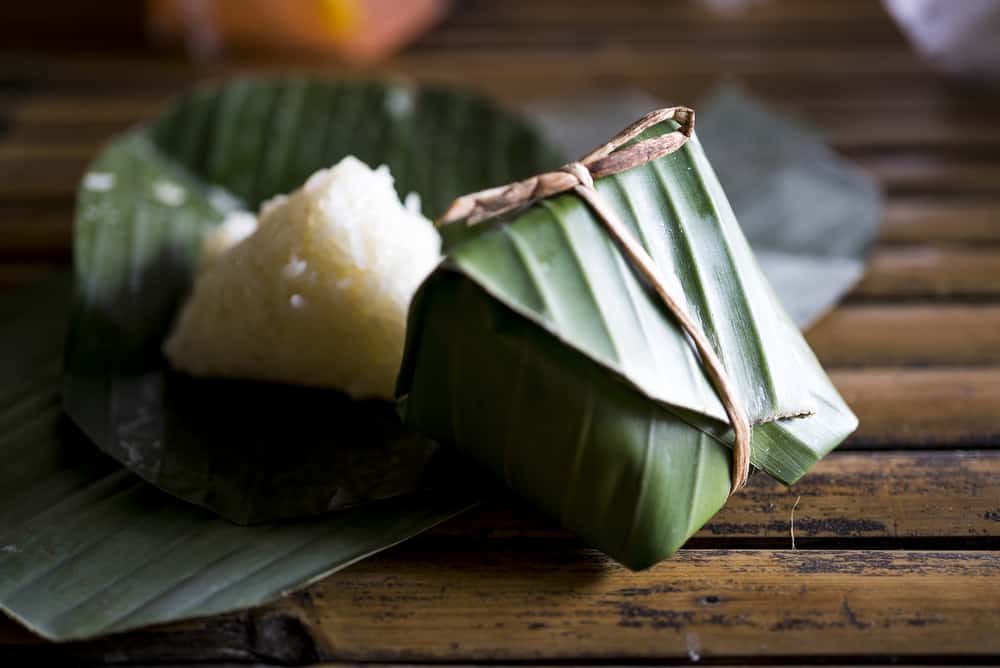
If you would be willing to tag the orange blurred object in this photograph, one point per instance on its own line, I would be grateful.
(358, 30)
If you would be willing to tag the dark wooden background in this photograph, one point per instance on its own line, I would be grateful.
(897, 534)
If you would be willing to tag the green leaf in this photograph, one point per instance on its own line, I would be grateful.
(539, 352)
(253, 452)
(87, 548)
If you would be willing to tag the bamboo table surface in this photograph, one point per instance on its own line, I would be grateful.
(896, 548)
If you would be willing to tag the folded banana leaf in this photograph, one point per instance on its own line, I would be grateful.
(537, 351)
(253, 452)
(810, 214)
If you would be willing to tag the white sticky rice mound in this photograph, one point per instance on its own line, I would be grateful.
(237, 226)
(316, 293)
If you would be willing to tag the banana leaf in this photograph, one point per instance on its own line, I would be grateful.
(88, 548)
(253, 452)
(537, 351)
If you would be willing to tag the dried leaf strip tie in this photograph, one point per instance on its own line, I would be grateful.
(578, 177)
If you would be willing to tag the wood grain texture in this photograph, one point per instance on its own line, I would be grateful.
(925, 271)
(908, 335)
(920, 172)
(562, 603)
(925, 219)
(934, 407)
(896, 495)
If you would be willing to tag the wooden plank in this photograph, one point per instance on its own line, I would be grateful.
(553, 603)
(15, 274)
(924, 172)
(14, 151)
(83, 108)
(930, 220)
(33, 179)
(867, 138)
(954, 495)
(654, 37)
(923, 407)
(43, 230)
(887, 498)
(931, 271)
(890, 335)
(791, 13)
(875, 495)
(884, 128)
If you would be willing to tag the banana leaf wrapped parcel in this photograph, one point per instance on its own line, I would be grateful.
(600, 346)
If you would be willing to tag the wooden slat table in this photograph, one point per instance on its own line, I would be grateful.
(893, 552)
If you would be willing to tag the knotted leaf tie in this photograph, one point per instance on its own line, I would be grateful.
(613, 158)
